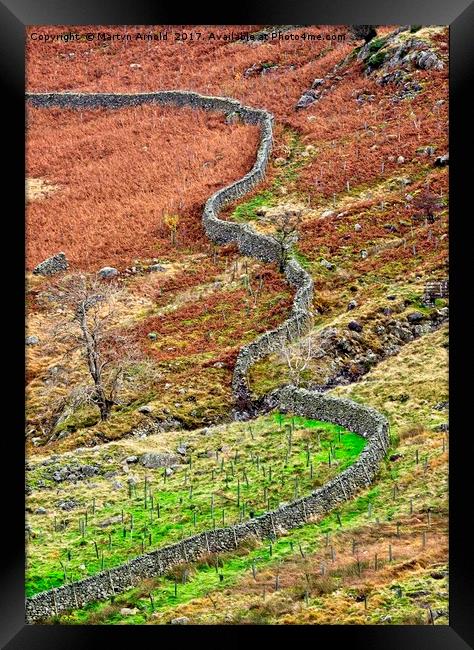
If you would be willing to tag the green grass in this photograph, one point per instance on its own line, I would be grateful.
(247, 211)
(264, 464)
(203, 578)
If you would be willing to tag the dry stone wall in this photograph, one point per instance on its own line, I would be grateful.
(359, 419)
(248, 241)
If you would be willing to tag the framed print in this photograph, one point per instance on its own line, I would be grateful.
(238, 383)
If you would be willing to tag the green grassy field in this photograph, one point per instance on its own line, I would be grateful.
(262, 464)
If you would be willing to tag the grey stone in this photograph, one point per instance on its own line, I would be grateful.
(428, 60)
(351, 305)
(110, 521)
(41, 511)
(364, 254)
(128, 611)
(180, 620)
(442, 161)
(52, 265)
(107, 272)
(355, 326)
(307, 98)
(67, 505)
(154, 268)
(357, 227)
(152, 336)
(145, 409)
(131, 459)
(32, 340)
(415, 317)
(163, 459)
(327, 265)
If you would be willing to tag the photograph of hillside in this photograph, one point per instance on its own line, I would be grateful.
(237, 307)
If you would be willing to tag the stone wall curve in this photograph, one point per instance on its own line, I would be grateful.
(360, 419)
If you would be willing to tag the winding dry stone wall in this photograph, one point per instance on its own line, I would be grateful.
(248, 241)
(360, 419)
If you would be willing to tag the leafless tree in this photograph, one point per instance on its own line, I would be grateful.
(428, 203)
(285, 226)
(88, 324)
(298, 355)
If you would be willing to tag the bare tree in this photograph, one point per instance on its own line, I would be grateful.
(298, 355)
(285, 231)
(428, 203)
(89, 325)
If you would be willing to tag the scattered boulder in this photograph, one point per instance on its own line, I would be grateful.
(75, 473)
(364, 254)
(428, 60)
(131, 459)
(145, 409)
(156, 268)
(327, 265)
(31, 340)
(41, 511)
(153, 460)
(307, 98)
(181, 620)
(415, 317)
(357, 227)
(67, 505)
(110, 521)
(108, 272)
(181, 450)
(127, 611)
(354, 326)
(400, 160)
(52, 265)
(442, 161)
(152, 336)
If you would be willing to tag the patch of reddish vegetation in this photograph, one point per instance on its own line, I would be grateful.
(120, 173)
(218, 324)
(400, 218)
(207, 66)
(360, 143)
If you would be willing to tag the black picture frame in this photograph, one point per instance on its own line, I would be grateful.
(15, 15)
